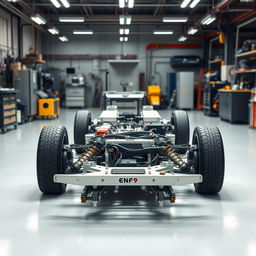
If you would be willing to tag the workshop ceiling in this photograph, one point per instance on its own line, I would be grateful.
(143, 12)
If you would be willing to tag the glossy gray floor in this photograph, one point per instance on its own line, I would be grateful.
(127, 222)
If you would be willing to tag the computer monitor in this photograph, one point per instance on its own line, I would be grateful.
(71, 70)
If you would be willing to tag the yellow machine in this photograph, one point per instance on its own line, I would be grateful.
(49, 107)
(154, 95)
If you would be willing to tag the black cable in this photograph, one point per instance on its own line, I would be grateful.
(137, 151)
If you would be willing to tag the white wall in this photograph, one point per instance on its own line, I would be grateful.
(9, 43)
(8, 36)
(28, 39)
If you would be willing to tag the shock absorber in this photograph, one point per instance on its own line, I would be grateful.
(90, 152)
(169, 151)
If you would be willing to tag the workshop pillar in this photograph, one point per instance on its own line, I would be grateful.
(229, 47)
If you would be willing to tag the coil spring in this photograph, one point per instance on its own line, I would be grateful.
(87, 155)
(174, 156)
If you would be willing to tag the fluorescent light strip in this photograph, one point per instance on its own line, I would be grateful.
(77, 32)
(121, 39)
(211, 20)
(65, 3)
(175, 19)
(121, 31)
(125, 19)
(185, 3)
(194, 3)
(126, 39)
(71, 19)
(192, 31)
(130, 3)
(53, 31)
(122, 19)
(208, 20)
(121, 3)
(163, 32)
(182, 38)
(63, 38)
(128, 20)
(38, 19)
(55, 3)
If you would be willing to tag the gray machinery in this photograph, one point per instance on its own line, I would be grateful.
(75, 91)
(25, 82)
(185, 90)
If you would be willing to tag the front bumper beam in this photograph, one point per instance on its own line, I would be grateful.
(106, 176)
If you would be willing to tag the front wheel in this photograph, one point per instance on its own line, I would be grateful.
(180, 124)
(51, 158)
(82, 124)
(209, 159)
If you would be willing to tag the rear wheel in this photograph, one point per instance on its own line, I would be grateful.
(209, 161)
(51, 158)
(180, 123)
(81, 127)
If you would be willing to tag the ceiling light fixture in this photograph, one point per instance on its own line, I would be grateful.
(208, 19)
(121, 39)
(121, 31)
(71, 19)
(185, 3)
(126, 39)
(182, 38)
(53, 31)
(55, 3)
(12, 1)
(175, 19)
(163, 32)
(125, 19)
(121, 3)
(127, 31)
(65, 3)
(128, 20)
(121, 19)
(63, 38)
(82, 32)
(194, 3)
(38, 19)
(130, 3)
(192, 31)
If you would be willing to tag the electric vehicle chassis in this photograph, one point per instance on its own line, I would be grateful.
(130, 150)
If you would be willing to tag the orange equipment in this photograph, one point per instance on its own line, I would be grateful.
(199, 104)
(154, 95)
(49, 107)
(253, 110)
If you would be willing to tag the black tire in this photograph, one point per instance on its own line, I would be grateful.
(51, 158)
(180, 123)
(81, 127)
(209, 160)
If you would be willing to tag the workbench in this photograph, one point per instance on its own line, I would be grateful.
(133, 96)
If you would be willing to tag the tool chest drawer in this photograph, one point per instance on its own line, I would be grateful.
(11, 112)
(10, 120)
(8, 109)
